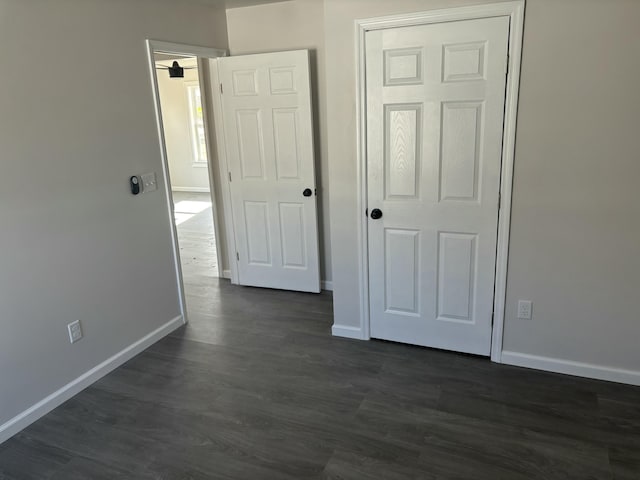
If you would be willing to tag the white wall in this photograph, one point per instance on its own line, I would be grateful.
(294, 25)
(575, 237)
(176, 119)
(575, 219)
(76, 120)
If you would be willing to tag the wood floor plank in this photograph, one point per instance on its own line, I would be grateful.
(255, 387)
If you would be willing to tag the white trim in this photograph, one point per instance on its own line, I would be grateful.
(186, 50)
(203, 66)
(361, 156)
(513, 9)
(453, 14)
(569, 367)
(151, 46)
(347, 332)
(326, 285)
(226, 274)
(154, 46)
(26, 418)
(506, 184)
(190, 189)
(223, 169)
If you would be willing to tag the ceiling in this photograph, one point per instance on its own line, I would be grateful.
(164, 57)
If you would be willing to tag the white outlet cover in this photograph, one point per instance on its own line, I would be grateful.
(149, 182)
(75, 331)
(524, 310)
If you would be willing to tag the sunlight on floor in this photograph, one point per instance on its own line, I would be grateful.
(187, 209)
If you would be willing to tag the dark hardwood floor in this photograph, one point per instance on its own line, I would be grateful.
(255, 387)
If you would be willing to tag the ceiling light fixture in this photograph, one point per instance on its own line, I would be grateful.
(175, 70)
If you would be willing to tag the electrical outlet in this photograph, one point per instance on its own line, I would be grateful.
(524, 310)
(75, 331)
(149, 182)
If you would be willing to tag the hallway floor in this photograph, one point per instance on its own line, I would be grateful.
(255, 388)
(196, 235)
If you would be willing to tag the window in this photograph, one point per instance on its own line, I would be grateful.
(196, 121)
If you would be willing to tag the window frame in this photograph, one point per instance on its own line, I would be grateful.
(199, 151)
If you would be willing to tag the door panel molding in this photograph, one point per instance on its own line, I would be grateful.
(266, 129)
(515, 11)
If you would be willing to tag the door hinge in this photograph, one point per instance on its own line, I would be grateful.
(221, 90)
(237, 256)
(229, 176)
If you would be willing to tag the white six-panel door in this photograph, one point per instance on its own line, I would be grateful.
(266, 104)
(435, 107)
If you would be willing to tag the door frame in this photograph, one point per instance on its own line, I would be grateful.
(154, 46)
(513, 9)
(215, 88)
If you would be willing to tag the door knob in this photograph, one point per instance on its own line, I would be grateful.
(376, 214)
(307, 192)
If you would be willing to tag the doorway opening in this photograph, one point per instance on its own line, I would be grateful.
(189, 161)
(180, 77)
(246, 121)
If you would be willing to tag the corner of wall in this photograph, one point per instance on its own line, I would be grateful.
(57, 398)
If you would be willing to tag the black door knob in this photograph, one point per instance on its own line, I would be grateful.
(376, 214)
(307, 192)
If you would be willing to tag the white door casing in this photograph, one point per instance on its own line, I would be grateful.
(435, 109)
(267, 119)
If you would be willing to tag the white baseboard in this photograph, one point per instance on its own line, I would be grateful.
(226, 274)
(326, 285)
(568, 367)
(347, 332)
(44, 406)
(190, 189)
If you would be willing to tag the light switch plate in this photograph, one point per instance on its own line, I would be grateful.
(524, 310)
(149, 182)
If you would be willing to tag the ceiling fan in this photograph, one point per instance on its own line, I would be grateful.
(175, 70)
